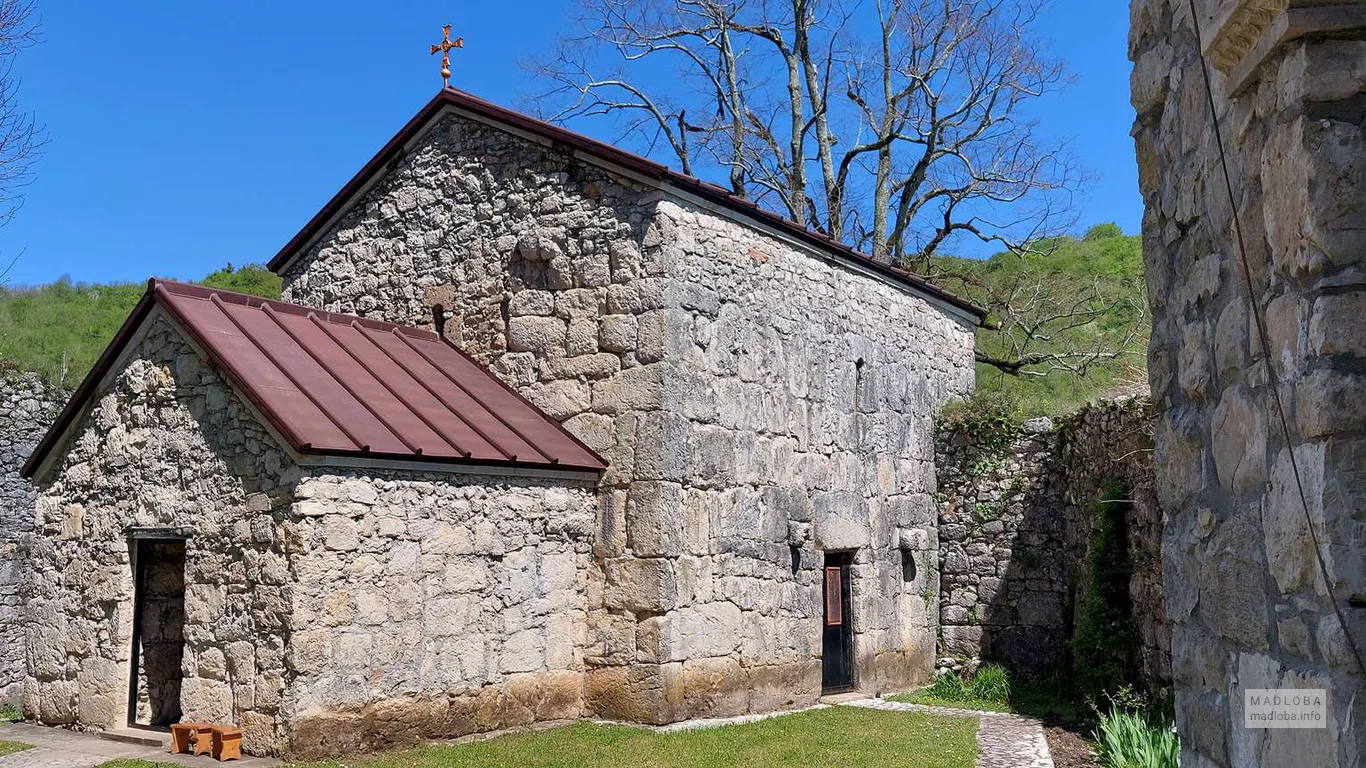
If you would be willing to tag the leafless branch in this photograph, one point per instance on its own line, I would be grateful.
(21, 140)
(896, 125)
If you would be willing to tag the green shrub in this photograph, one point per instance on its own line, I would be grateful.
(992, 417)
(1126, 738)
(991, 683)
(948, 686)
(10, 714)
(1105, 641)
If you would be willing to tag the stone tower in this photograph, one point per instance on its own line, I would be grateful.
(1251, 604)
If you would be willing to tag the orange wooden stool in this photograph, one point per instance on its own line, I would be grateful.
(227, 742)
(183, 733)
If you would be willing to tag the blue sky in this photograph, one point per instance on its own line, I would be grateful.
(184, 136)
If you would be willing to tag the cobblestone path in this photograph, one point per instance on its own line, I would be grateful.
(1003, 740)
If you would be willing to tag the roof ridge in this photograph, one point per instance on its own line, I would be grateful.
(451, 97)
(280, 305)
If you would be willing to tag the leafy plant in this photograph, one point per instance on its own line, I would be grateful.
(990, 419)
(1126, 738)
(1105, 640)
(948, 686)
(990, 683)
(984, 512)
(10, 714)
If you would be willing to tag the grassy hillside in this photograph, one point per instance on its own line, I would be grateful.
(1101, 272)
(60, 329)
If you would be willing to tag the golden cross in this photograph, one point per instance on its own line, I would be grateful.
(446, 45)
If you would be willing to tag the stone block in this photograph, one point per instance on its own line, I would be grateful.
(634, 389)
(584, 366)
(712, 629)
(964, 642)
(582, 337)
(1238, 432)
(711, 457)
(651, 336)
(716, 687)
(546, 336)
(1330, 402)
(561, 399)
(660, 446)
(617, 333)
(641, 584)
(642, 693)
(654, 518)
(840, 522)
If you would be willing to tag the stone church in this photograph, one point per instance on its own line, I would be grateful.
(543, 430)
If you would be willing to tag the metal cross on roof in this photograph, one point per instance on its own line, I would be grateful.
(445, 47)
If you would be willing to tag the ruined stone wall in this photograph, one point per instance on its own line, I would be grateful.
(432, 606)
(581, 290)
(27, 408)
(1242, 578)
(1015, 522)
(169, 447)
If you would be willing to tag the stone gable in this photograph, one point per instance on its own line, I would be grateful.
(166, 446)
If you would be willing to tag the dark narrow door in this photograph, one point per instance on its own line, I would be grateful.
(158, 632)
(837, 641)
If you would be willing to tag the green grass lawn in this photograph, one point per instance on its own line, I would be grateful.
(10, 747)
(843, 736)
(1033, 701)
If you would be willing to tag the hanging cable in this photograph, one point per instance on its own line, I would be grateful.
(1265, 340)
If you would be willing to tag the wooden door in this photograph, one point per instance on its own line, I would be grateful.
(837, 640)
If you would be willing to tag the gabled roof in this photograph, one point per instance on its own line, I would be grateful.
(335, 385)
(450, 98)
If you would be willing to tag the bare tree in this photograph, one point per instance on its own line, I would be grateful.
(21, 140)
(897, 126)
(1039, 326)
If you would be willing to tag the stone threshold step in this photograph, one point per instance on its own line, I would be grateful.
(144, 737)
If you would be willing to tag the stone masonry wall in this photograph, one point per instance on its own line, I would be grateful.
(1244, 586)
(169, 447)
(27, 408)
(582, 290)
(1014, 527)
(434, 606)
(795, 420)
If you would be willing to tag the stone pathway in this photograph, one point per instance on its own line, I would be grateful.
(60, 748)
(1003, 740)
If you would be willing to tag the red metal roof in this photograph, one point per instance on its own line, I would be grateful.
(340, 385)
(561, 137)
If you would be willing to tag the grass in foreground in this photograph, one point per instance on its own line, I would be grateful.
(991, 690)
(844, 736)
(10, 747)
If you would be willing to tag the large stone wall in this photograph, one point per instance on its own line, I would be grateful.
(27, 408)
(796, 413)
(1015, 523)
(433, 606)
(1244, 585)
(715, 367)
(169, 447)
